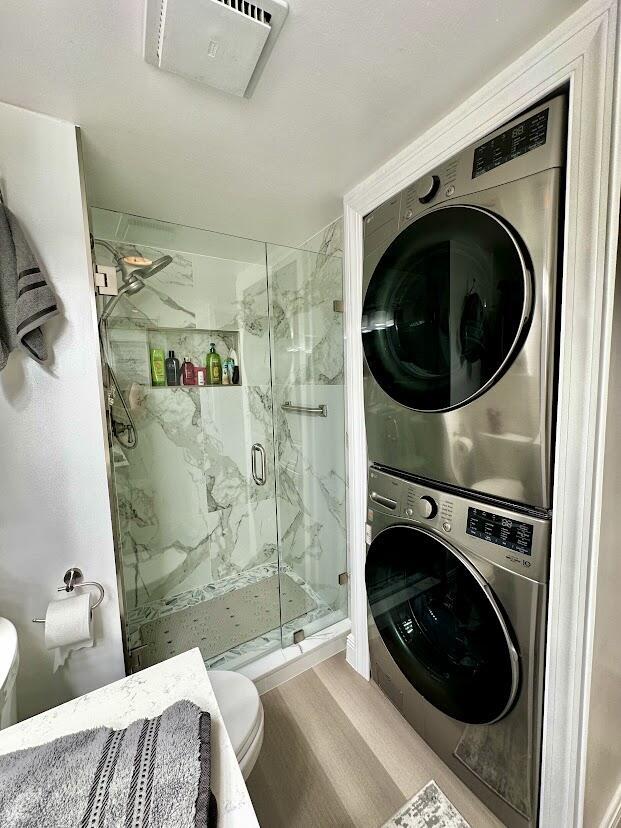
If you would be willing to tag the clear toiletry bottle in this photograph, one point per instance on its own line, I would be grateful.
(214, 366)
(227, 370)
(234, 367)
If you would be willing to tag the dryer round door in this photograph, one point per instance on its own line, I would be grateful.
(447, 308)
(442, 625)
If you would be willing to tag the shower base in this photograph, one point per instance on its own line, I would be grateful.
(232, 622)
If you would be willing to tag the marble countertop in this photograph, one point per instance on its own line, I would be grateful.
(144, 695)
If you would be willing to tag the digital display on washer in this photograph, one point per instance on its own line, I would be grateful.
(512, 534)
(511, 144)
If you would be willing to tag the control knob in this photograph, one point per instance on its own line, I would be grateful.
(427, 187)
(427, 507)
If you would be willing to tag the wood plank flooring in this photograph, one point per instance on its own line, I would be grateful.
(336, 754)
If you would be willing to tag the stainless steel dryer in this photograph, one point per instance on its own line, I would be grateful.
(457, 593)
(460, 275)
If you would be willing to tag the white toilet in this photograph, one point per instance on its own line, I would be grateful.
(9, 662)
(242, 711)
(237, 697)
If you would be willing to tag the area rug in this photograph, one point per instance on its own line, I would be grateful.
(429, 808)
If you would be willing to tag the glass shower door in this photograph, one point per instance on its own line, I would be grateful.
(196, 496)
(305, 290)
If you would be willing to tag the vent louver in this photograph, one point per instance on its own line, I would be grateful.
(249, 9)
(223, 43)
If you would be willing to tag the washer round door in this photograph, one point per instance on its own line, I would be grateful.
(441, 624)
(447, 308)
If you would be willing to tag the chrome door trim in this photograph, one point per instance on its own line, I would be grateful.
(527, 306)
(257, 449)
(486, 589)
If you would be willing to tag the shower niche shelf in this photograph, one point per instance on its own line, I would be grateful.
(131, 347)
(193, 344)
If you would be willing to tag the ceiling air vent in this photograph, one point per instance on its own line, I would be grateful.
(222, 43)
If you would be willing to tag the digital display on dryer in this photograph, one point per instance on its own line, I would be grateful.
(512, 143)
(503, 531)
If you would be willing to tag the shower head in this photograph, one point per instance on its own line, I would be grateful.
(141, 267)
(134, 270)
(134, 264)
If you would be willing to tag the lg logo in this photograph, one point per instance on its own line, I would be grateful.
(521, 561)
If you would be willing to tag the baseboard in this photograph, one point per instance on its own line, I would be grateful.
(612, 817)
(351, 653)
(283, 665)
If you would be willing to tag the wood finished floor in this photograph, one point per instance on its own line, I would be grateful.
(336, 754)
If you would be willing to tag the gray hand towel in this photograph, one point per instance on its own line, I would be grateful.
(26, 300)
(153, 774)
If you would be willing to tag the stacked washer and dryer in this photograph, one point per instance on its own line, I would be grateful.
(460, 312)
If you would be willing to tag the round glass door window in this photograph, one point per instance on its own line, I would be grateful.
(441, 626)
(446, 309)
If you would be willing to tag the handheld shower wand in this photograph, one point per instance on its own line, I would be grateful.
(134, 271)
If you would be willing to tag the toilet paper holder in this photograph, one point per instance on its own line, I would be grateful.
(71, 578)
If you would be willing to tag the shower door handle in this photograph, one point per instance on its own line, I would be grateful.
(258, 476)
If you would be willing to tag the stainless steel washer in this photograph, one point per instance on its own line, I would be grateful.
(457, 591)
(458, 327)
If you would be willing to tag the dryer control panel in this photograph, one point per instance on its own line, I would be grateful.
(527, 145)
(492, 531)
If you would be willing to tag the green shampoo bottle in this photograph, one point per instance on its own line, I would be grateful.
(214, 366)
(158, 367)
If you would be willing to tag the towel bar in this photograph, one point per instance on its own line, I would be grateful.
(70, 578)
(321, 410)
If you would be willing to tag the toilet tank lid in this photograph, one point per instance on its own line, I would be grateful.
(240, 705)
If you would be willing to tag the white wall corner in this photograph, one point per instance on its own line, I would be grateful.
(56, 513)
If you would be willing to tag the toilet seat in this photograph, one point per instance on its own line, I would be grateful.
(242, 712)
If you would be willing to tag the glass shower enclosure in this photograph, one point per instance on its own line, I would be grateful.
(229, 499)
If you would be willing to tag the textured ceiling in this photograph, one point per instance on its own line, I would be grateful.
(349, 83)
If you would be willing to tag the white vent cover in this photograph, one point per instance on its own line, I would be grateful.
(223, 43)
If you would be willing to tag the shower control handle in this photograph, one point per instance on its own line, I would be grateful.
(258, 470)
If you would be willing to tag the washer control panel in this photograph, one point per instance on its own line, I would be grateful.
(504, 531)
(519, 542)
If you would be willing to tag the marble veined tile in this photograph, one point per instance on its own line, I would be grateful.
(307, 359)
(307, 331)
(311, 491)
(232, 295)
(329, 241)
(189, 508)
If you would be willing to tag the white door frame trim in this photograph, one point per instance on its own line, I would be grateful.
(581, 52)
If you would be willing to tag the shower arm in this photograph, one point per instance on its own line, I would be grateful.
(110, 247)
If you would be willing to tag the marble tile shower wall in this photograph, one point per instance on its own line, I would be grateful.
(307, 363)
(189, 511)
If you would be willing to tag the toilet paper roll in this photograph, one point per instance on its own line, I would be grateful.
(68, 626)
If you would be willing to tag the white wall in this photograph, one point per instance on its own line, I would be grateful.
(54, 506)
(603, 779)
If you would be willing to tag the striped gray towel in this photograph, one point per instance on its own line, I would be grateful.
(153, 774)
(26, 300)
